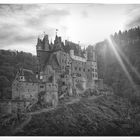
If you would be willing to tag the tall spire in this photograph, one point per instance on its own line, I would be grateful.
(56, 31)
(56, 38)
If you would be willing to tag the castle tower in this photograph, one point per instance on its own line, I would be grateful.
(46, 46)
(57, 43)
(91, 53)
(85, 54)
(39, 44)
(42, 48)
(56, 38)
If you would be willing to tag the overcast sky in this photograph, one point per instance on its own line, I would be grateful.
(20, 25)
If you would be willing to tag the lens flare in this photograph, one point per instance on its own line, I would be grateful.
(113, 46)
(126, 60)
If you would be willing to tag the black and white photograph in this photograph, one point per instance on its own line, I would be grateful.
(69, 69)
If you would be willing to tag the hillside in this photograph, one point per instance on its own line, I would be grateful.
(10, 61)
(105, 115)
(118, 74)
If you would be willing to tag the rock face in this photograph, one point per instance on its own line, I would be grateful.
(102, 116)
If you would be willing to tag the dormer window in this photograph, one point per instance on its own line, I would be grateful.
(41, 77)
(21, 78)
(41, 86)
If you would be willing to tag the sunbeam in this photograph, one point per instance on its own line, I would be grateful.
(126, 60)
(112, 45)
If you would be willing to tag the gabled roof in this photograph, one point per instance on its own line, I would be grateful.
(51, 59)
(28, 75)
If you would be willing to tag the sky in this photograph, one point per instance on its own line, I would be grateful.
(22, 24)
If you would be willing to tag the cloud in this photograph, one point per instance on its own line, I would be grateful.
(21, 24)
(85, 14)
(133, 23)
(133, 16)
(45, 15)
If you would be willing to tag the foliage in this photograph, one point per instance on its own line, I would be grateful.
(127, 45)
(10, 61)
(106, 115)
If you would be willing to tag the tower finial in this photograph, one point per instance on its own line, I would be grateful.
(56, 31)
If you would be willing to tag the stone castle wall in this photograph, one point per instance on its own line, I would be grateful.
(5, 107)
(25, 90)
(51, 95)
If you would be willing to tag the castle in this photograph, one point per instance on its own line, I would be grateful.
(63, 70)
(74, 68)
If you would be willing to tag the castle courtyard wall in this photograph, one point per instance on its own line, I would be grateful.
(25, 90)
(5, 107)
(13, 106)
(51, 94)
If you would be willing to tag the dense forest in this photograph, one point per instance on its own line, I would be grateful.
(119, 63)
(10, 61)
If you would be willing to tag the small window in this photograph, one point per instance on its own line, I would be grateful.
(41, 86)
(75, 68)
(84, 69)
(21, 77)
(79, 69)
(62, 76)
(96, 75)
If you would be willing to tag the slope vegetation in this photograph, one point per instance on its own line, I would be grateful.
(105, 115)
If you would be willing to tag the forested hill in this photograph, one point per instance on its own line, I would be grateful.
(127, 46)
(10, 61)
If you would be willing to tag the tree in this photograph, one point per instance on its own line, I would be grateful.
(108, 65)
(4, 82)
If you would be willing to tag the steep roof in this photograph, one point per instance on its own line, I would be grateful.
(28, 75)
(52, 60)
(73, 46)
